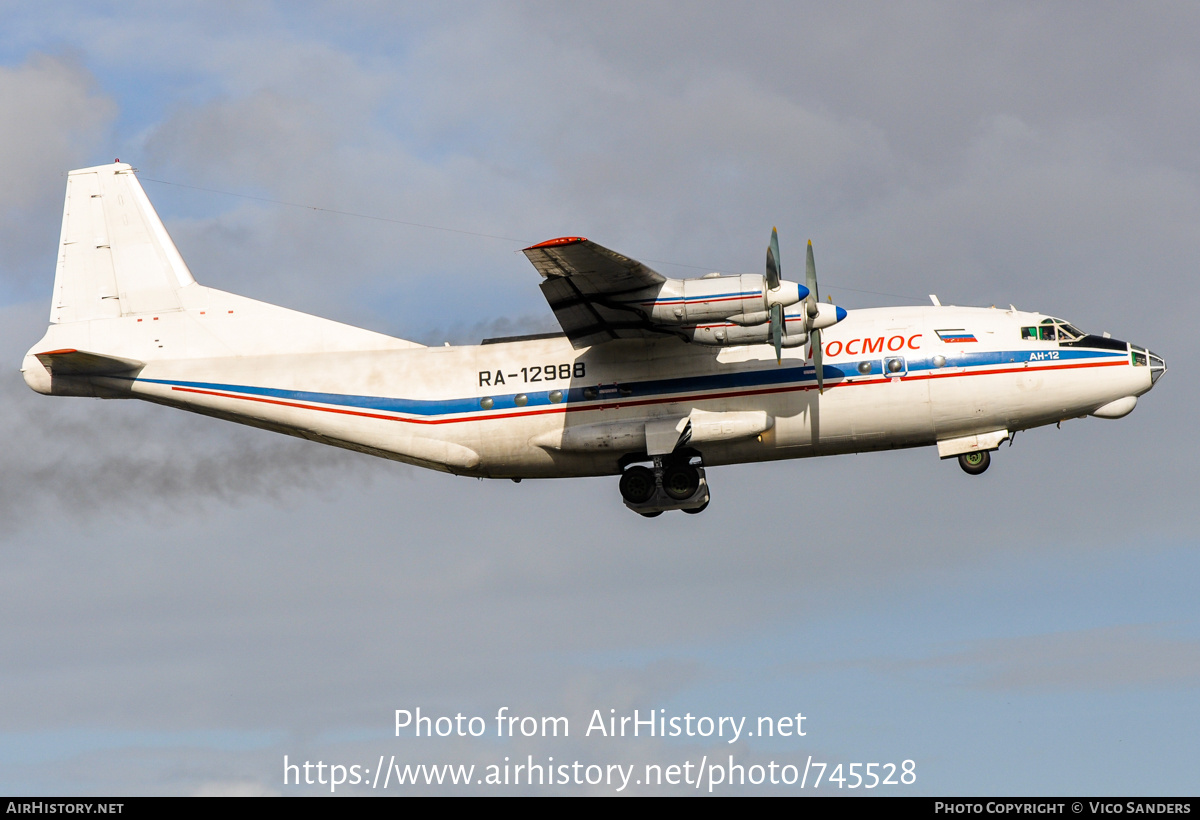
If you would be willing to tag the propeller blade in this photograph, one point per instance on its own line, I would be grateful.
(810, 274)
(810, 304)
(777, 330)
(773, 267)
(817, 366)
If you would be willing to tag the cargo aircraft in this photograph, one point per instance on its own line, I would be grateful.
(651, 379)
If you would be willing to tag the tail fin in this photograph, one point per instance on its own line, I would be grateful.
(115, 256)
(116, 262)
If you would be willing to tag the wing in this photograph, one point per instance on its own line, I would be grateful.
(590, 289)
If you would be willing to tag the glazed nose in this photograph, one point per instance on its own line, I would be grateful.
(1142, 357)
(1157, 367)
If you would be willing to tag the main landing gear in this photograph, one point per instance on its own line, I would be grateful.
(673, 484)
(976, 462)
(974, 451)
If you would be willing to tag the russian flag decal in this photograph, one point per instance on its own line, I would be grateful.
(955, 336)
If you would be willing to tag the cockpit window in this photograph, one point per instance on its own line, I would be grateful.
(1052, 330)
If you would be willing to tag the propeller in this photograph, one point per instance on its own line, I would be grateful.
(810, 307)
(774, 279)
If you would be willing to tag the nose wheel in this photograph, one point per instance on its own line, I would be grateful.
(673, 484)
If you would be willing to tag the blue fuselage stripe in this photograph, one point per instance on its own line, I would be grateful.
(641, 391)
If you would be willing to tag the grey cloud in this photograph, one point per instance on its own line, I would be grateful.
(1116, 657)
(715, 152)
(54, 115)
(53, 110)
(82, 458)
(927, 73)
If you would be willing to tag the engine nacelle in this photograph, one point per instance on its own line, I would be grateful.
(726, 334)
(744, 299)
(723, 334)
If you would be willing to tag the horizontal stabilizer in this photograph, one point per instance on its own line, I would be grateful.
(71, 362)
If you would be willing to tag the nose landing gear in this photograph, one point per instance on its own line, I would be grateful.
(674, 484)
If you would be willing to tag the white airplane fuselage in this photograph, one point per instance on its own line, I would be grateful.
(963, 379)
(425, 405)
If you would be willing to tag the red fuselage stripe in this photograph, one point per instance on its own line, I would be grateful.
(638, 402)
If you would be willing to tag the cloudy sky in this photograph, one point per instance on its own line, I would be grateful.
(185, 602)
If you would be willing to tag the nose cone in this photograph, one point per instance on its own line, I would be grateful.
(827, 315)
(788, 293)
